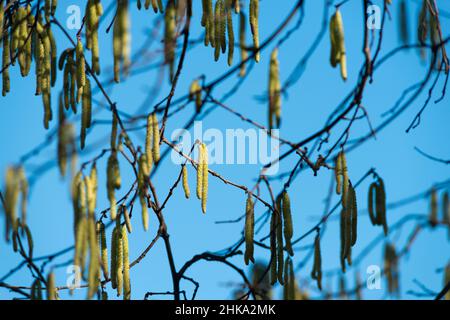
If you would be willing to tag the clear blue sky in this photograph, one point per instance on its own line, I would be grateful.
(305, 110)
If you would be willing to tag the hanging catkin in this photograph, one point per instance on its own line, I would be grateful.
(287, 217)
(353, 208)
(203, 166)
(338, 54)
(289, 280)
(51, 290)
(273, 249)
(86, 112)
(6, 61)
(199, 172)
(126, 266)
(403, 22)
(94, 259)
(249, 230)
(149, 142)
(81, 69)
(242, 42)
(103, 249)
(280, 248)
(433, 218)
(170, 37)
(119, 259)
(94, 11)
(113, 182)
(36, 287)
(126, 216)
(254, 24)
(274, 91)
(316, 273)
(219, 30)
(24, 188)
(156, 138)
(143, 175)
(380, 199)
(121, 40)
(206, 21)
(114, 258)
(195, 94)
(391, 269)
(229, 8)
(187, 191)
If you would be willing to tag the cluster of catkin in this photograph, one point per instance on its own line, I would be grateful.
(427, 26)
(94, 10)
(377, 204)
(280, 225)
(120, 264)
(338, 54)
(274, 91)
(349, 212)
(84, 197)
(202, 175)
(121, 40)
(15, 189)
(391, 269)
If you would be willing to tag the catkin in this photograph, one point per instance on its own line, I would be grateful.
(195, 94)
(342, 240)
(403, 22)
(352, 207)
(86, 112)
(230, 32)
(380, 199)
(113, 182)
(156, 138)
(126, 215)
(114, 258)
(316, 273)
(254, 24)
(219, 31)
(242, 43)
(6, 61)
(143, 175)
(126, 266)
(149, 142)
(338, 54)
(371, 209)
(81, 70)
(433, 208)
(273, 249)
(199, 172)
(187, 191)
(36, 287)
(170, 37)
(51, 290)
(289, 280)
(94, 260)
(121, 40)
(29, 241)
(103, 249)
(249, 230)
(280, 248)
(274, 91)
(287, 217)
(119, 259)
(204, 168)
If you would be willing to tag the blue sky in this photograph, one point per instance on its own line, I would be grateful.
(305, 110)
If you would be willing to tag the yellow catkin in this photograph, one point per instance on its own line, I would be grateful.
(126, 266)
(380, 199)
(12, 192)
(170, 37)
(338, 173)
(94, 259)
(206, 13)
(242, 43)
(126, 216)
(249, 230)
(316, 273)
(86, 112)
(143, 175)
(81, 69)
(103, 249)
(338, 53)
(353, 208)
(119, 260)
(156, 138)
(204, 168)
(345, 179)
(113, 182)
(288, 227)
(433, 218)
(274, 91)
(114, 258)
(93, 18)
(187, 191)
(199, 172)
(121, 40)
(29, 241)
(6, 61)
(342, 240)
(51, 290)
(254, 24)
(230, 31)
(149, 142)
(24, 189)
(218, 35)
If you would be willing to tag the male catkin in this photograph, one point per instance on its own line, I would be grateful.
(254, 25)
(249, 230)
(126, 266)
(187, 192)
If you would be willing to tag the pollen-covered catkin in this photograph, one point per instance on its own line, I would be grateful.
(187, 191)
(6, 61)
(94, 259)
(249, 230)
(273, 249)
(280, 248)
(143, 175)
(114, 258)
(121, 40)
(219, 32)
(199, 172)
(126, 266)
(353, 208)
(205, 175)
(149, 142)
(254, 24)
(287, 217)
(51, 289)
(86, 112)
(156, 138)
